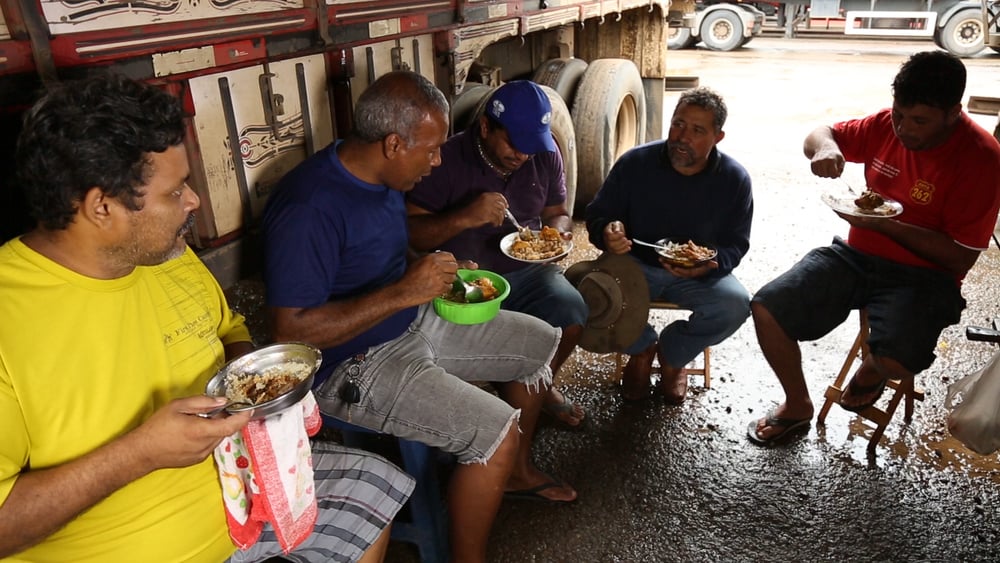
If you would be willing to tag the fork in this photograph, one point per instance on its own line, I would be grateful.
(659, 247)
(849, 188)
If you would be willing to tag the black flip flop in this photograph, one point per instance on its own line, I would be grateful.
(532, 493)
(789, 424)
(856, 390)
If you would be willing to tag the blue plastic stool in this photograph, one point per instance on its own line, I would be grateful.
(427, 526)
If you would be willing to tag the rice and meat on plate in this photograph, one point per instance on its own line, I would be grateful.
(266, 385)
(547, 243)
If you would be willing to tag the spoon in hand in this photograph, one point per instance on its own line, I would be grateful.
(524, 233)
(472, 293)
(224, 406)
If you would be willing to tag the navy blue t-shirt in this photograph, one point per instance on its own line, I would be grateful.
(654, 201)
(329, 236)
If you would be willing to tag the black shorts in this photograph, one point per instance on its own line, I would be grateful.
(907, 306)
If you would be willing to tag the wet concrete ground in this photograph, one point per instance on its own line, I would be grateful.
(663, 483)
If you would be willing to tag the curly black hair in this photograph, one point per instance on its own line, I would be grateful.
(708, 99)
(94, 132)
(930, 78)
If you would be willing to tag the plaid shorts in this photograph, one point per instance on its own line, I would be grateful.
(358, 494)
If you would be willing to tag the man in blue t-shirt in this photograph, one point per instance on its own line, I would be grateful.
(683, 188)
(339, 276)
(506, 160)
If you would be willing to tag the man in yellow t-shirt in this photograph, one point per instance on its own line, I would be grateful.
(111, 328)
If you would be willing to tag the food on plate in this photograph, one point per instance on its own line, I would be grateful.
(869, 201)
(687, 252)
(490, 291)
(267, 384)
(547, 243)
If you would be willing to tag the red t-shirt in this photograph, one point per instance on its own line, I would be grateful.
(953, 188)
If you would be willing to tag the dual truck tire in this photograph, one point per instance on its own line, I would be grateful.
(598, 113)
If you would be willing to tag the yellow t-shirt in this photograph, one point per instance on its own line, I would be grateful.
(83, 361)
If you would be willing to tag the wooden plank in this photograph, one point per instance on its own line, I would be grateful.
(984, 105)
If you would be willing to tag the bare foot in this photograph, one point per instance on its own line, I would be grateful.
(635, 377)
(673, 384)
(562, 409)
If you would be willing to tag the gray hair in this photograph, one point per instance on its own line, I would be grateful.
(706, 98)
(396, 103)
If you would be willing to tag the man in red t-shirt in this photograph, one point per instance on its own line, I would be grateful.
(904, 270)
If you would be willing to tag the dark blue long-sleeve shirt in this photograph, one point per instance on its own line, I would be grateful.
(713, 207)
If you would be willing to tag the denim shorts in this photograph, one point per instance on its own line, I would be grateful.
(542, 291)
(907, 306)
(417, 386)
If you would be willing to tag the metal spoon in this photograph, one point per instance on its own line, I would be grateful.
(226, 405)
(472, 292)
(524, 233)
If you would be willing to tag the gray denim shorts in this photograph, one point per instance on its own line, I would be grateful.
(417, 386)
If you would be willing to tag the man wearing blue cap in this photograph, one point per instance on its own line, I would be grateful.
(506, 159)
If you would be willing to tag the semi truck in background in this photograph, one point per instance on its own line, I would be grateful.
(269, 82)
(962, 27)
(719, 26)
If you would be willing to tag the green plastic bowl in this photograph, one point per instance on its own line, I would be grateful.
(473, 313)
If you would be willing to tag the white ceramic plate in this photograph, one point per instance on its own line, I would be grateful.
(845, 204)
(508, 240)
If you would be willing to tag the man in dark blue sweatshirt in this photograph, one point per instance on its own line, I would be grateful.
(681, 188)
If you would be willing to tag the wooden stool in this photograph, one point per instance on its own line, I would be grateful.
(705, 370)
(881, 417)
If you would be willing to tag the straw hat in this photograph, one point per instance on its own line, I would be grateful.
(616, 292)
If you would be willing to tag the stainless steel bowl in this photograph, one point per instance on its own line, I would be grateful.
(260, 360)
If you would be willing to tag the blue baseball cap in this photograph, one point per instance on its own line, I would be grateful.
(525, 112)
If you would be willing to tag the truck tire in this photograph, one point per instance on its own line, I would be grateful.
(609, 114)
(562, 75)
(962, 36)
(466, 106)
(680, 38)
(722, 30)
(565, 136)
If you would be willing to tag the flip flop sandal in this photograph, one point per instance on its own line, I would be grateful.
(533, 493)
(856, 390)
(789, 424)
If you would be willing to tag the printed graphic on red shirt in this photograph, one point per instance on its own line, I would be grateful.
(922, 192)
(882, 167)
